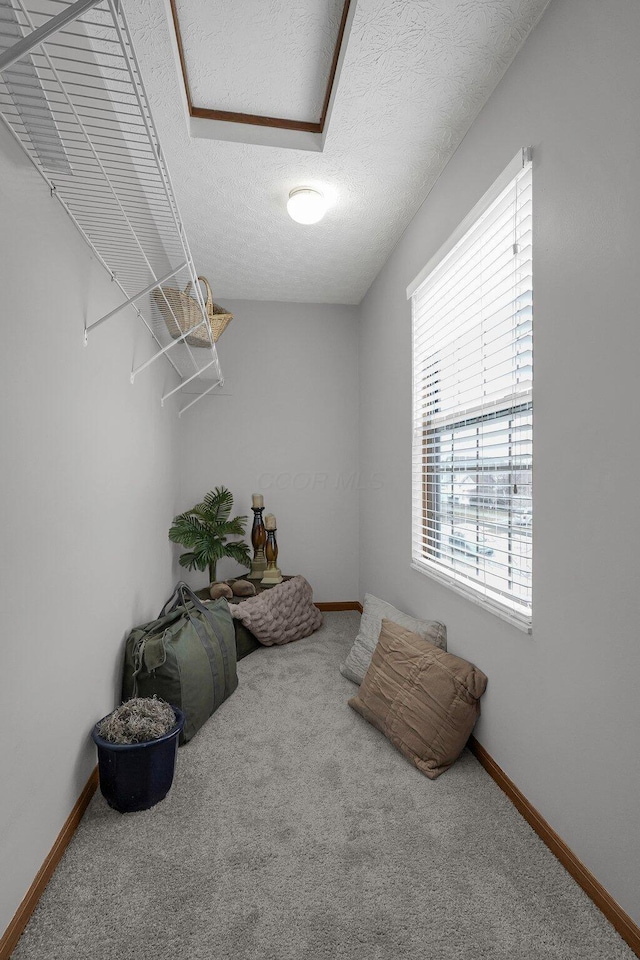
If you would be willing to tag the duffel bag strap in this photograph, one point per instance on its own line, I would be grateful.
(179, 597)
(169, 606)
(186, 598)
(211, 620)
(138, 663)
(190, 601)
(186, 594)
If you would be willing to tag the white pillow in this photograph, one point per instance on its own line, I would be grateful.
(374, 612)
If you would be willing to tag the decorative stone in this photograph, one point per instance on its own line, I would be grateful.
(242, 588)
(219, 589)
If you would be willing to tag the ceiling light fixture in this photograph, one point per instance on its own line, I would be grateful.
(306, 205)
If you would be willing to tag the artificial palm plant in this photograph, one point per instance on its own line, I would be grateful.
(204, 530)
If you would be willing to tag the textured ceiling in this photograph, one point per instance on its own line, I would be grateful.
(274, 63)
(415, 76)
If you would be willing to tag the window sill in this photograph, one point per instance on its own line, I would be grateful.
(519, 620)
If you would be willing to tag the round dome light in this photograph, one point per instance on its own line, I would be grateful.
(306, 205)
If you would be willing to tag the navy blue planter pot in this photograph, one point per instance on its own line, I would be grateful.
(136, 776)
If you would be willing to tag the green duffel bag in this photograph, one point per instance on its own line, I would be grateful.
(186, 657)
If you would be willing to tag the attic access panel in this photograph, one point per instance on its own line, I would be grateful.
(265, 78)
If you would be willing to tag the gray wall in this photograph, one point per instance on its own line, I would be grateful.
(89, 485)
(93, 470)
(89, 473)
(285, 425)
(561, 714)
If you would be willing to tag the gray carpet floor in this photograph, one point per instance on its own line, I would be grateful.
(294, 831)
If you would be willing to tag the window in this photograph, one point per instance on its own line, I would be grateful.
(472, 310)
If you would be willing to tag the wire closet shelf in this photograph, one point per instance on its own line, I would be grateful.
(72, 95)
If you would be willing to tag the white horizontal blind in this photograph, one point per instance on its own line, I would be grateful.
(472, 409)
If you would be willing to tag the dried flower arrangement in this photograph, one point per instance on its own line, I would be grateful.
(137, 721)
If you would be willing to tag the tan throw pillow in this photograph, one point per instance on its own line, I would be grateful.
(423, 699)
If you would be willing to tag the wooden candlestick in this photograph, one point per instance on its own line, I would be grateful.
(258, 540)
(272, 574)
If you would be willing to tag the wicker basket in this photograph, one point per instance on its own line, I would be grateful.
(181, 312)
